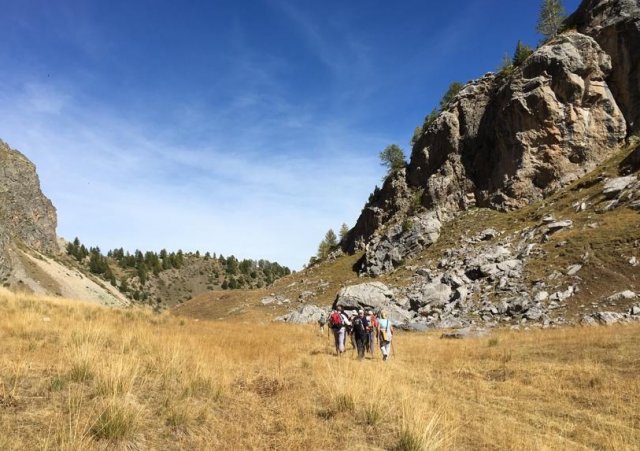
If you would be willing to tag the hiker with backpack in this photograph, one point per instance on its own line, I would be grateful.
(360, 333)
(385, 334)
(338, 322)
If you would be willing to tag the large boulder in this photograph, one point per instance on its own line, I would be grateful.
(432, 294)
(373, 295)
(304, 315)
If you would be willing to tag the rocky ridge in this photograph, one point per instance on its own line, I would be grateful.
(507, 140)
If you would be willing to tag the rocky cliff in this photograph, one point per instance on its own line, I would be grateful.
(513, 138)
(27, 216)
(615, 25)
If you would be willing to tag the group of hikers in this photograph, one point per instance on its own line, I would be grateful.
(363, 328)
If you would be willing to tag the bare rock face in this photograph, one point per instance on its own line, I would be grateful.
(552, 122)
(26, 215)
(385, 252)
(615, 25)
(442, 161)
(383, 204)
(504, 142)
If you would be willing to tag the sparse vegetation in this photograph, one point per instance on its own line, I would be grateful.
(453, 90)
(158, 384)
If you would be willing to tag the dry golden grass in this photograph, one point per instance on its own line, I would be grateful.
(92, 378)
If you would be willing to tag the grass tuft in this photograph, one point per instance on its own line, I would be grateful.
(117, 421)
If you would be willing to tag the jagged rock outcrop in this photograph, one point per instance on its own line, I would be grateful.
(383, 203)
(504, 142)
(26, 215)
(387, 251)
(615, 25)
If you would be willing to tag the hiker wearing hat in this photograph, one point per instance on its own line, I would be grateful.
(385, 334)
(373, 327)
(338, 321)
(360, 333)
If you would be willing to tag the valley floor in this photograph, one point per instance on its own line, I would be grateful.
(76, 376)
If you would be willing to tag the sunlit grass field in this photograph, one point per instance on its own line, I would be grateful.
(81, 377)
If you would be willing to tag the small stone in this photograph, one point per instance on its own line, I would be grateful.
(557, 225)
(541, 296)
(627, 294)
(573, 269)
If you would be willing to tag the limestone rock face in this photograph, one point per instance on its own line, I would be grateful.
(615, 25)
(442, 161)
(387, 251)
(382, 205)
(503, 142)
(552, 122)
(26, 215)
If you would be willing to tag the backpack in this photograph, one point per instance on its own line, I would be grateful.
(335, 320)
(358, 327)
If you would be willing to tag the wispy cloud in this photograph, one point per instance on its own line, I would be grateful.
(122, 183)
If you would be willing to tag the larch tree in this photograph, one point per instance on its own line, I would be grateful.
(552, 14)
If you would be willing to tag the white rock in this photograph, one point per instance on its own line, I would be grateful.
(627, 294)
(541, 296)
(613, 186)
(573, 269)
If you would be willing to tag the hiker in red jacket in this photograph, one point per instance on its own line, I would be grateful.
(338, 321)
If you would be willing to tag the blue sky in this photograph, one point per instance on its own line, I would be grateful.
(246, 128)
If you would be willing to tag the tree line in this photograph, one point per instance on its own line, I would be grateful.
(136, 268)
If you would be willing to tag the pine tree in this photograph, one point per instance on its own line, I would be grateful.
(552, 14)
(521, 53)
(453, 90)
(344, 231)
(393, 158)
(331, 238)
(329, 242)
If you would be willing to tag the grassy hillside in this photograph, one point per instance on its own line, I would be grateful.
(76, 376)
